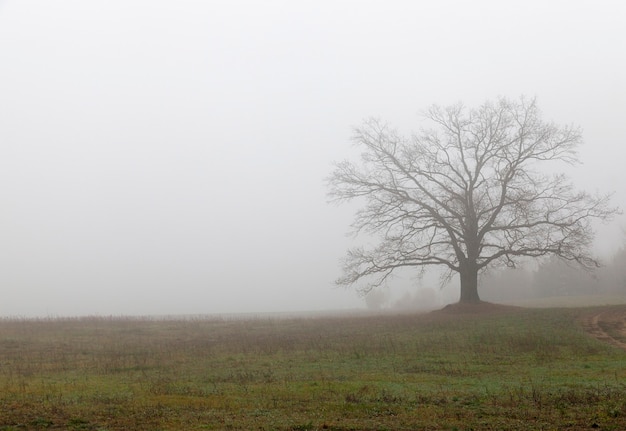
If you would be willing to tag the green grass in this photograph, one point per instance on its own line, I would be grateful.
(531, 369)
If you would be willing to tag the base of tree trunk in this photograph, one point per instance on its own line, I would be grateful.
(478, 307)
(471, 300)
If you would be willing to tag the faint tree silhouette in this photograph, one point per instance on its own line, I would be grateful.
(466, 195)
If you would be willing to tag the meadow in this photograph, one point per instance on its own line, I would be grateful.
(524, 369)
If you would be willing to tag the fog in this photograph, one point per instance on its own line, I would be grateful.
(162, 157)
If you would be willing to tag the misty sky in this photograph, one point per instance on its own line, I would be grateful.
(166, 157)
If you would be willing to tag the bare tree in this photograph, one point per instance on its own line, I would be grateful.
(466, 195)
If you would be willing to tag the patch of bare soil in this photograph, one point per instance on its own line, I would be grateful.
(477, 308)
(608, 325)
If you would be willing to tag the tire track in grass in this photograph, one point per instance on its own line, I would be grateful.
(608, 326)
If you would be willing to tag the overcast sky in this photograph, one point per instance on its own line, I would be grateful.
(167, 157)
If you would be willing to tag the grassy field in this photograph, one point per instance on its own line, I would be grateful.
(518, 370)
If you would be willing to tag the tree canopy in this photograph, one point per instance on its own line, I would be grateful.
(466, 194)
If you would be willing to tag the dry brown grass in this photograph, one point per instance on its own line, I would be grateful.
(500, 368)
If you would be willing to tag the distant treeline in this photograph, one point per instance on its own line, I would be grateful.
(554, 277)
(549, 278)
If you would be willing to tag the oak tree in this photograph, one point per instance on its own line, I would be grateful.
(473, 191)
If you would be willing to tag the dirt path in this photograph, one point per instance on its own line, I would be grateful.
(608, 325)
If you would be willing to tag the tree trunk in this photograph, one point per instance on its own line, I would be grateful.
(469, 284)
